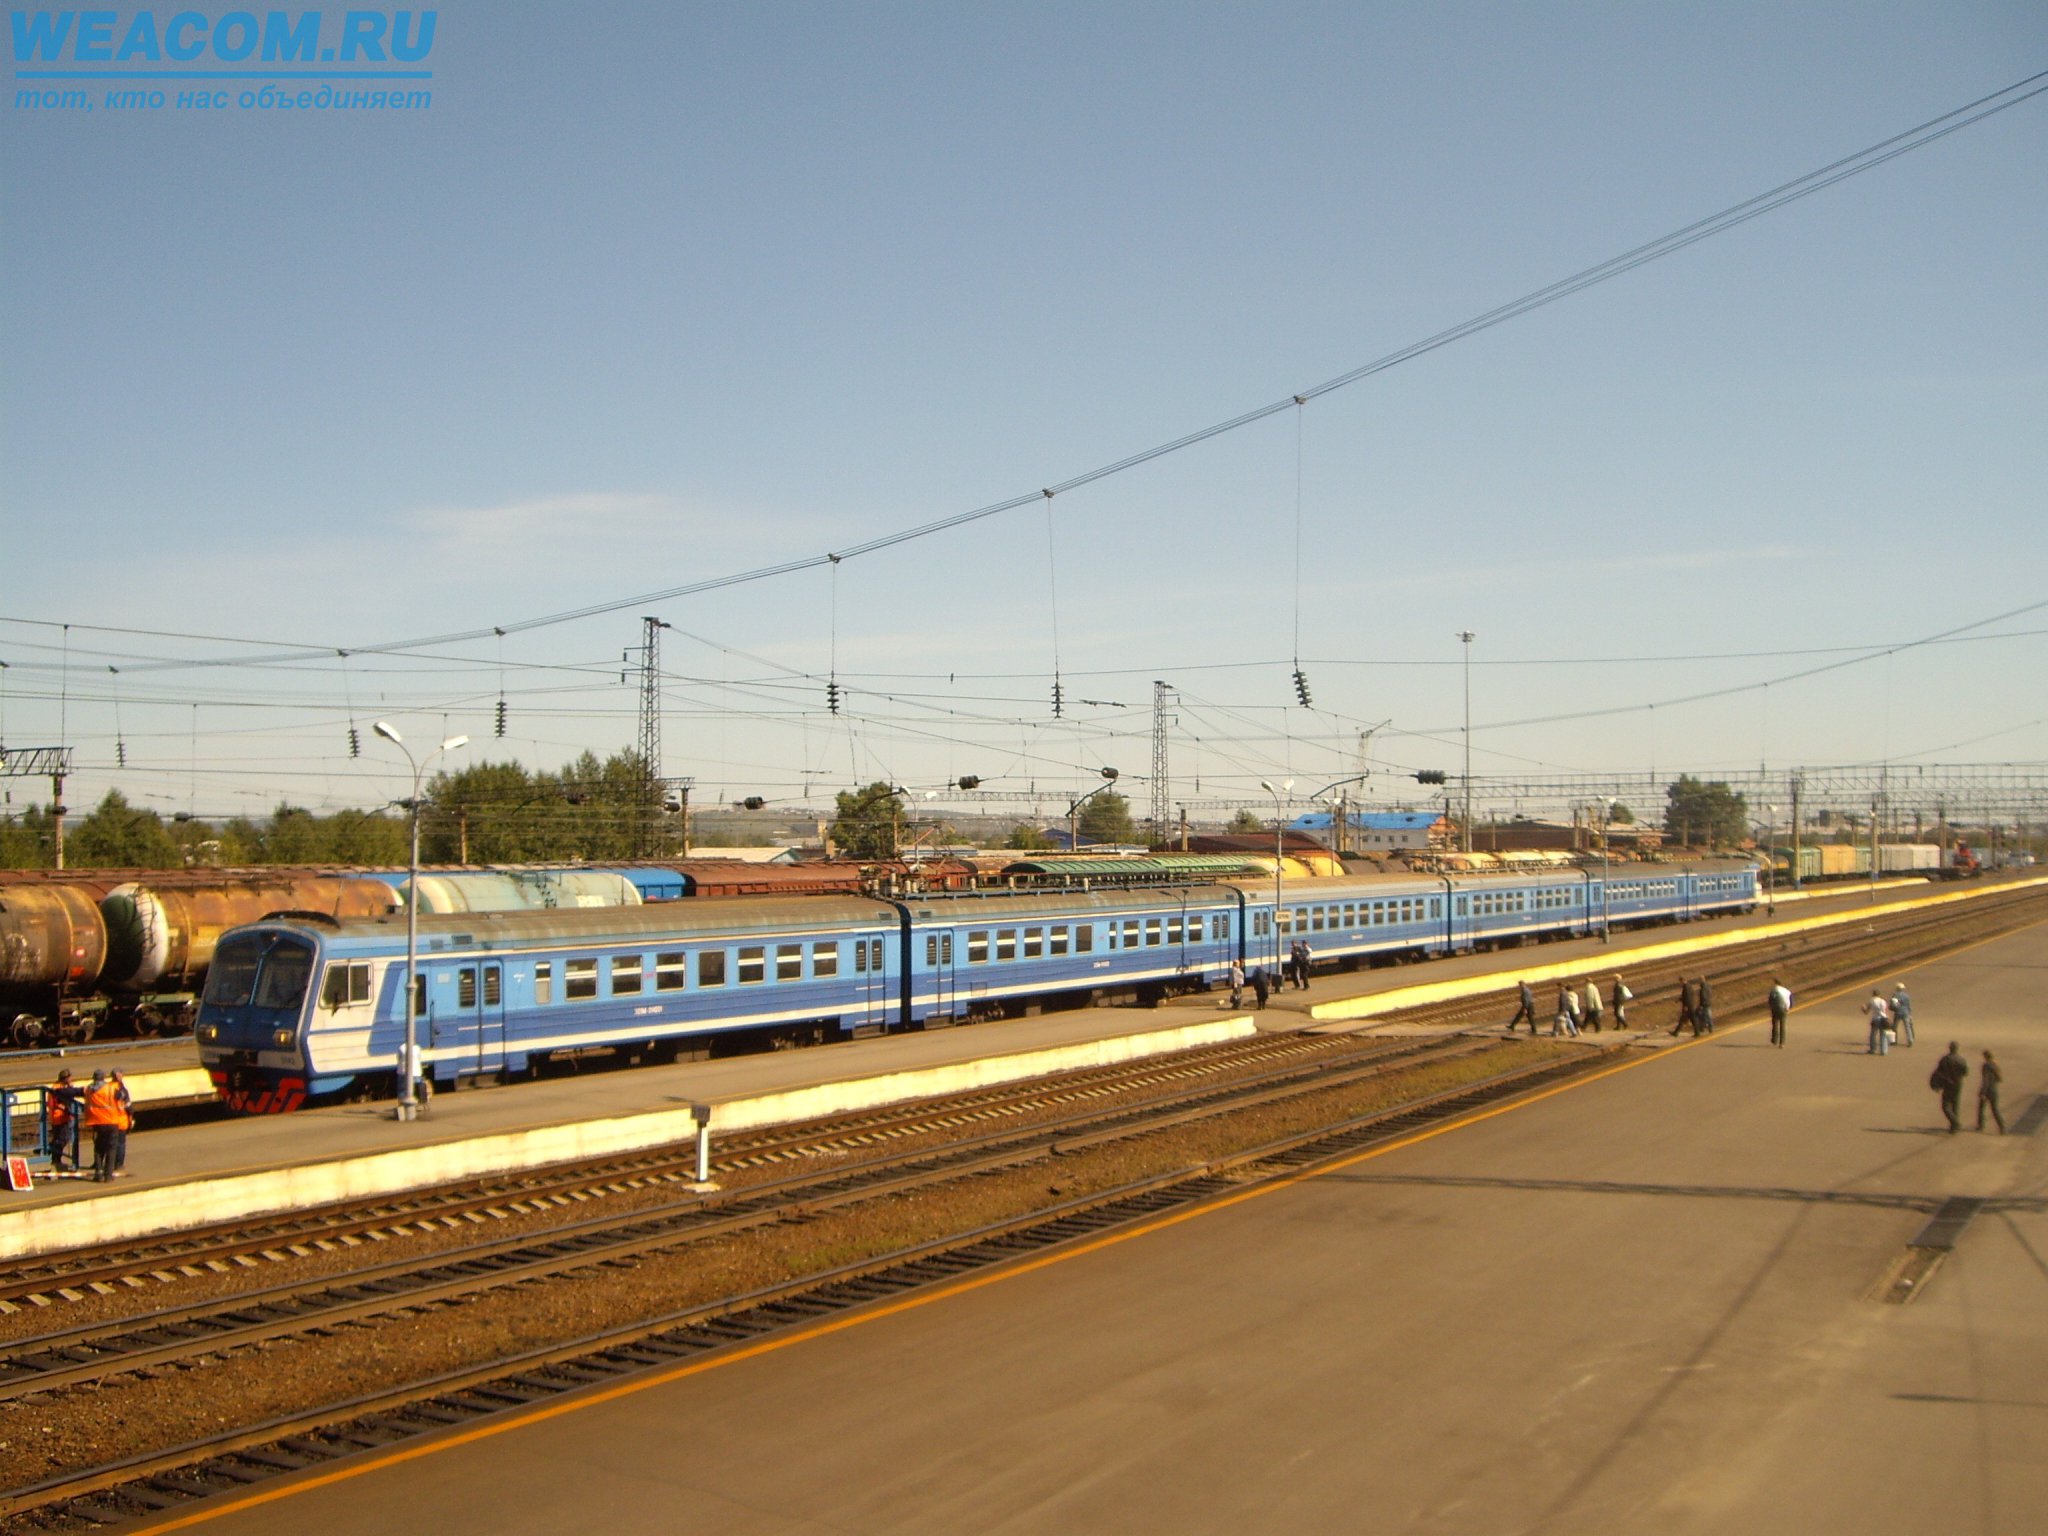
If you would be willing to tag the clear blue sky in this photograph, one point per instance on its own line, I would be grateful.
(656, 293)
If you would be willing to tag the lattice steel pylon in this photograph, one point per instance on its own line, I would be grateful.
(1162, 700)
(646, 831)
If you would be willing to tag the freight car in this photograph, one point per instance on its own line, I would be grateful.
(74, 957)
(300, 1008)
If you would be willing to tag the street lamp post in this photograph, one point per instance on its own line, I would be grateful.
(409, 1097)
(1279, 835)
(1343, 822)
(1109, 776)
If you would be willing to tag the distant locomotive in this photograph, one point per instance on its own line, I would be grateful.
(301, 1008)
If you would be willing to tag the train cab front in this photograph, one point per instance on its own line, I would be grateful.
(251, 1025)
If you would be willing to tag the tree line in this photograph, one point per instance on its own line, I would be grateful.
(592, 810)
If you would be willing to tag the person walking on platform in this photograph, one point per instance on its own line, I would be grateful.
(1703, 1008)
(1301, 956)
(1593, 1006)
(65, 1103)
(1880, 1026)
(1781, 1010)
(1947, 1080)
(102, 1118)
(1988, 1079)
(1621, 998)
(1236, 984)
(1902, 1014)
(1261, 987)
(1688, 1015)
(1525, 1007)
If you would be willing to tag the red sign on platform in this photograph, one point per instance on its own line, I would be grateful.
(18, 1176)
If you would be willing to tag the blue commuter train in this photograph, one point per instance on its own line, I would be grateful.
(306, 1007)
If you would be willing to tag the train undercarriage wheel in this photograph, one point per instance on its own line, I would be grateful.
(26, 1030)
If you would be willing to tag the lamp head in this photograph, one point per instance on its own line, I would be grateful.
(453, 742)
(1109, 773)
(383, 728)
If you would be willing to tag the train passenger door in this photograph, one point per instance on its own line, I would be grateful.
(938, 964)
(479, 1022)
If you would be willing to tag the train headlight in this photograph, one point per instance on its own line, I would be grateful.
(209, 1033)
(281, 1038)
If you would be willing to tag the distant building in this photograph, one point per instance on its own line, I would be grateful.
(746, 855)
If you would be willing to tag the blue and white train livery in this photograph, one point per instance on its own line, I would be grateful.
(301, 1006)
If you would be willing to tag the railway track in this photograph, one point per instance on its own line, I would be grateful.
(68, 1276)
(1006, 1128)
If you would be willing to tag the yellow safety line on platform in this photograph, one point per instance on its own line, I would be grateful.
(522, 1418)
(1373, 1004)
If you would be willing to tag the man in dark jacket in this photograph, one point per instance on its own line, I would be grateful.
(1525, 1008)
(1988, 1079)
(1947, 1081)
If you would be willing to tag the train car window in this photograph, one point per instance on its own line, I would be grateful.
(625, 975)
(1152, 926)
(1284, 917)
(1315, 920)
(931, 951)
(1059, 939)
(753, 965)
(1006, 943)
(1195, 930)
(789, 962)
(1436, 906)
(710, 967)
(671, 971)
(875, 952)
(232, 978)
(1130, 933)
(1034, 943)
(1084, 937)
(544, 982)
(347, 982)
(465, 987)
(419, 995)
(494, 995)
(287, 970)
(1174, 928)
(977, 947)
(579, 979)
(825, 959)
(1222, 928)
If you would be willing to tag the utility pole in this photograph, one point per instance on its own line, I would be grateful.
(1467, 636)
(34, 762)
(644, 840)
(1162, 698)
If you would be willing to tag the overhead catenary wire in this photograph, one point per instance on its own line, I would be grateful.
(1863, 160)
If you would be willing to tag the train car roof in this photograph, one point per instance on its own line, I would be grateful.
(740, 916)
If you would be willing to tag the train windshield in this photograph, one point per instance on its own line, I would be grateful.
(267, 969)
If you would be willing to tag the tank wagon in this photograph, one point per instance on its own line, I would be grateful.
(299, 1008)
(70, 963)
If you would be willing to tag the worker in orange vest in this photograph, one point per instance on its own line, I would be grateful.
(103, 1117)
(64, 1099)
